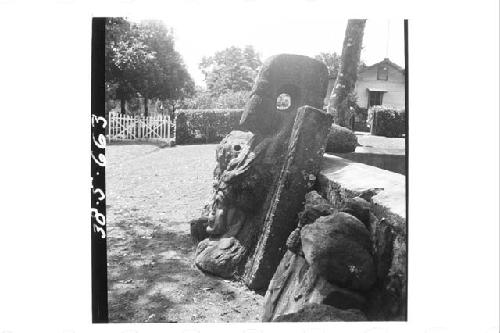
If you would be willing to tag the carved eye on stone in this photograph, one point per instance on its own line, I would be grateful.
(283, 102)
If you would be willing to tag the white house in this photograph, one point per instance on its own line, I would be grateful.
(382, 83)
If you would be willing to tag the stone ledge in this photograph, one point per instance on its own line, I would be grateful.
(357, 177)
(390, 162)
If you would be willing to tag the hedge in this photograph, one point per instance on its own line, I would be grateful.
(341, 140)
(360, 123)
(387, 121)
(206, 125)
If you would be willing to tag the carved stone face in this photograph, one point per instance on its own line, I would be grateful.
(226, 211)
(302, 78)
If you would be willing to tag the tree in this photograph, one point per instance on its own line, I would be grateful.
(229, 100)
(141, 58)
(165, 76)
(125, 54)
(348, 72)
(232, 69)
(332, 62)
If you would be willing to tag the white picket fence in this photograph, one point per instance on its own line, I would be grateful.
(136, 128)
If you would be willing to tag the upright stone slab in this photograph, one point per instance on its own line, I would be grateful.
(297, 176)
(262, 175)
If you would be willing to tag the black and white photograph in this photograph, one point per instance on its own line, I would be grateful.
(250, 166)
(257, 179)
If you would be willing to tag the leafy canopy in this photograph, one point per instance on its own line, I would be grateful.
(141, 59)
(332, 62)
(230, 70)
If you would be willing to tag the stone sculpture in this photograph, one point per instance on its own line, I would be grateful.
(263, 173)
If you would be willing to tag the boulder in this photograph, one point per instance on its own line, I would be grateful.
(220, 257)
(321, 312)
(340, 297)
(358, 207)
(339, 247)
(312, 211)
(296, 284)
(313, 198)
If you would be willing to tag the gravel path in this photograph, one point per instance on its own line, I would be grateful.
(152, 194)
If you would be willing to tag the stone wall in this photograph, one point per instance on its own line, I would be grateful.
(346, 261)
(340, 179)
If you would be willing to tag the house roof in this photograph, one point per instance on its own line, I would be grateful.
(386, 61)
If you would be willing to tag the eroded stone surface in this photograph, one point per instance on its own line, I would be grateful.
(315, 206)
(339, 246)
(296, 284)
(322, 312)
(220, 257)
(358, 208)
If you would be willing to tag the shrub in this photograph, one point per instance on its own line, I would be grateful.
(341, 140)
(387, 121)
(228, 100)
(206, 126)
(360, 114)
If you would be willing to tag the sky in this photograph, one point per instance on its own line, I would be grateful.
(201, 29)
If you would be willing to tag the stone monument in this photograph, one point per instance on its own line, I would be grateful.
(263, 173)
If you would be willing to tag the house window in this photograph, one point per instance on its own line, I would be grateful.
(382, 73)
(375, 98)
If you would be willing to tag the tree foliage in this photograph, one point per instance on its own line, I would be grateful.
(141, 59)
(230, 70)
(203, 99)
(124, 54)
(348, 72)
(332, 62)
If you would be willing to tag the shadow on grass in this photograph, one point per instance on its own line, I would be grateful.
(151, 273)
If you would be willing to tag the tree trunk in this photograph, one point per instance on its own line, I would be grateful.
(146, 111)
(348, 73)
(122, 106)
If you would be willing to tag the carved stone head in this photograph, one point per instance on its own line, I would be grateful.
(302, 78)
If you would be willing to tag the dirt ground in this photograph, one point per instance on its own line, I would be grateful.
(152, 193)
